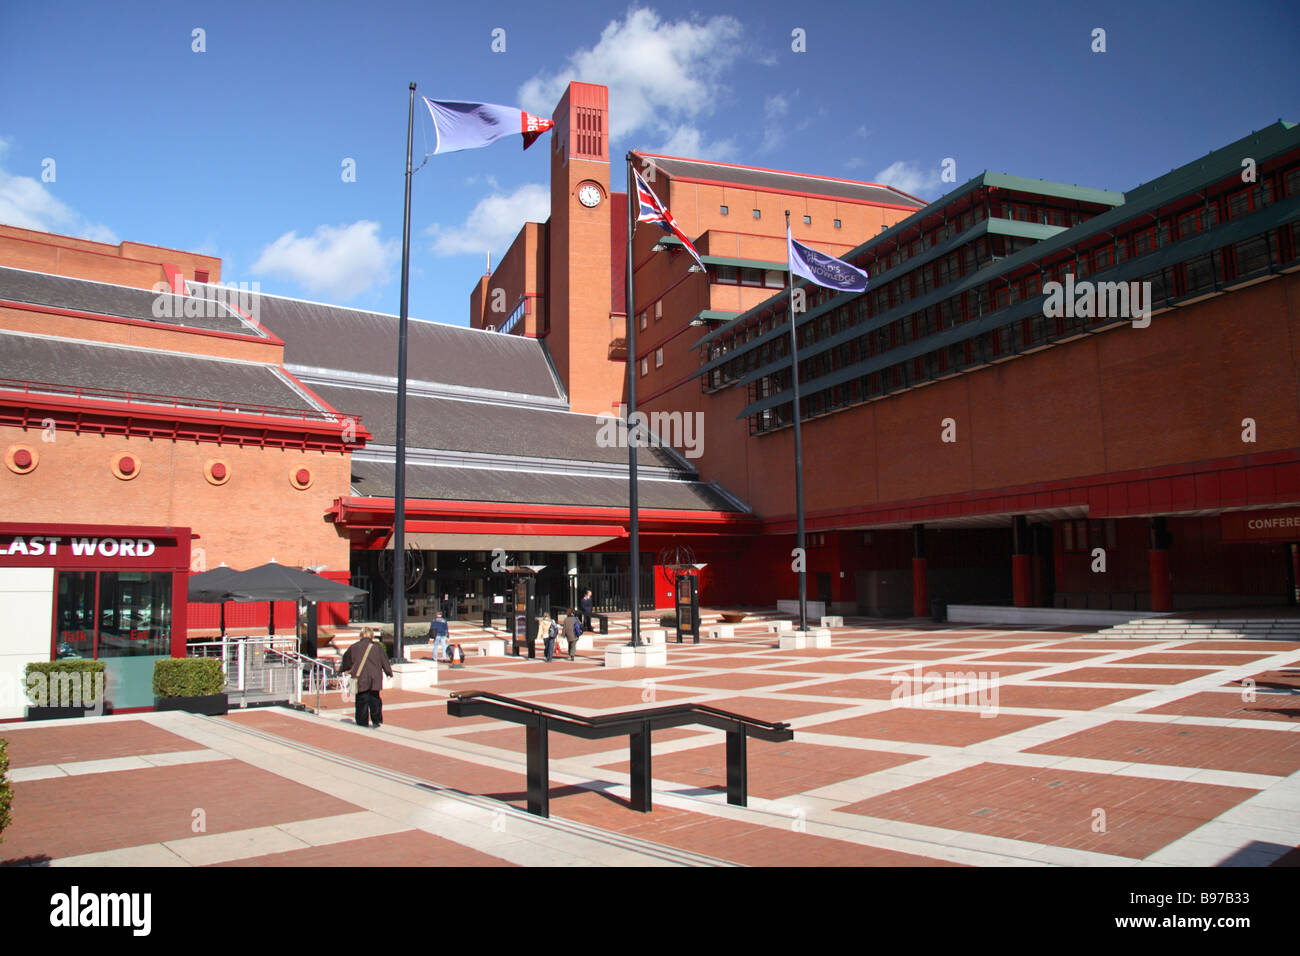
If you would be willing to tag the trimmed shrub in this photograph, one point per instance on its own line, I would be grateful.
(6, 794)
(75, 682)
(187, 677)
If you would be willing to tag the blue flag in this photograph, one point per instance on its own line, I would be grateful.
(823, 270)
(471, 125)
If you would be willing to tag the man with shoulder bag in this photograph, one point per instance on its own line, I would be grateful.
(367, 664)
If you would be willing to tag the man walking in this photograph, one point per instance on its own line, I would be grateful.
(367, 663)
(438, 633)
(572, 631)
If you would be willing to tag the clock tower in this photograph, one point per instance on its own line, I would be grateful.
(578, 286)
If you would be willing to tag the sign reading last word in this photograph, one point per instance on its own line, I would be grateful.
(36, 545)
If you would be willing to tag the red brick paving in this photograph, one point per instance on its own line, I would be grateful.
(90, 740)
(864, 688)
(432, 717)
(1189, 657)
(408, 848)
(964, 667)
(563, 746)
(1046, 657)
(605, 698)
(827, 667)
(1056, 807)
(626, 674)
(1242, 749)
(772, 710)
(335, 701)
(775, 769)
(1264, 647)
(1128, 675)
(903, 654)
(1062, 698)
(1114, 647)
(733, 840)
(734, 662)
(1230, 706)
(734, 681)
(929, 725)
(67, 816)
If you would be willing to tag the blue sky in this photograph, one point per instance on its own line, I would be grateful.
(237, 151)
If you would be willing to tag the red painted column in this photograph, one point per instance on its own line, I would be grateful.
(920, 589)
(1022, 589)
(1161, 585)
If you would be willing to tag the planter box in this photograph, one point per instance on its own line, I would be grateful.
(211, 705)
(56, 713)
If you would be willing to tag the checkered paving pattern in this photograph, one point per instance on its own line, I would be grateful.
(918, 745)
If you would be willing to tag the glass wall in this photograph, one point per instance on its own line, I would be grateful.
(121, 617)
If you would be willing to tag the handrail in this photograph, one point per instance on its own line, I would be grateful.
(539, 720)
(631, 716)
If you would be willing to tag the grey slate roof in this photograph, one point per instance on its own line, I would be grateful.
(39, 288)
(772, 179)
(144, 372)
(375, 480)
(482, 428)
(318, 336)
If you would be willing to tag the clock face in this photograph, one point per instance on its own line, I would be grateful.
(589, 195)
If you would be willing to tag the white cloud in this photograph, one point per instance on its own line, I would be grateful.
(689, 141)
(493, 224)
(660, 74)
(27, 202)
(910, 178)
(775, 109)
(337, 261)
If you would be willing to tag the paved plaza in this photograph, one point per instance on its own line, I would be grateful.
(915, 745)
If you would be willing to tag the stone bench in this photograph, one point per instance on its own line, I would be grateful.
(720, 630)
(647, 655)
(780, 627)
(492, 648)
(798, 640)
(832, 621)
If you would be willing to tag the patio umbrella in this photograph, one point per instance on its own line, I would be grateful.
(279, 582)
(212, 587)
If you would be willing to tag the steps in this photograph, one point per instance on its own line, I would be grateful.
(1226, 628)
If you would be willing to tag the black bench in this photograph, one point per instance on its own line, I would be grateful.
(637, 724)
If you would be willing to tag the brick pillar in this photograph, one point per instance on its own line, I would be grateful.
(1158, 563)
(1022, 590)
(920, 586)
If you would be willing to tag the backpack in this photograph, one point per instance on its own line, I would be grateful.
(577, 626)
(553, 632)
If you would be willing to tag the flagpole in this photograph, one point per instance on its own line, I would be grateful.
(399, 475)
(634, 546)
(798, 443)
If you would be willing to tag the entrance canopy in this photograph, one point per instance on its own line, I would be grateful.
(431, 541)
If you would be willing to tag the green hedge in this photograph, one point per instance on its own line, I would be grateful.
(64, 683)
(6, 794)
(187, 677)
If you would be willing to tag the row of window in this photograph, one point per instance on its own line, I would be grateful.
(732, 275)
(1256, 255)
(1001, 292)
(659, 361)
(758, 214)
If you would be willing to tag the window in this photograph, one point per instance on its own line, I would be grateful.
(727, 275)
(659, 358)
(645, 366)
(751, 277)
(807, 220)
(774, 279)
(642, 318)
(200, 275)
(758, 214)
(837, 224)
(723, 210)
(659, 310)
(127, 615)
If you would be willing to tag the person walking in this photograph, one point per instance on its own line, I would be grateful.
(585, 604)
(438, 633)
(572, 631)
(367, 663)
(550, 632)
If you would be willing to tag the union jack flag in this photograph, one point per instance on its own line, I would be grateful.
(653, 211)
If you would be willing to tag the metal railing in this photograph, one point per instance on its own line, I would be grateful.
(79, 392)
(265, 670)
(637, 724)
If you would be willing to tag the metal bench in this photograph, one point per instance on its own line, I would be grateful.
(637, 724)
